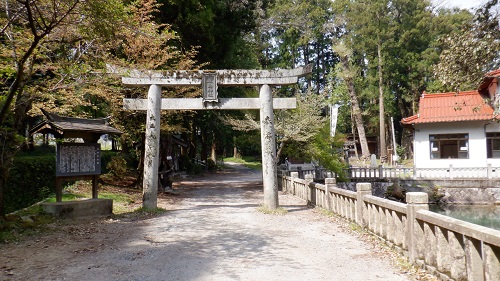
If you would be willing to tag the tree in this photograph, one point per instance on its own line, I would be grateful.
(55, 54)
(25, 27)
(470, 51)
(301, 124)
(394, 44)
(375, 34)
(292, 126)
(220, 31)
(303, 31)
(346, 77)
(328, 151)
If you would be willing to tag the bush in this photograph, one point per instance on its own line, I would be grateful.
(32, 179)
(211, 166)
(117, 166)
(106, 158)
(33, 176)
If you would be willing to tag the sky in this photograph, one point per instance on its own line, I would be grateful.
(464, 4)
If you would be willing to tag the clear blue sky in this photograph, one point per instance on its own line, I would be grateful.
(464, 4)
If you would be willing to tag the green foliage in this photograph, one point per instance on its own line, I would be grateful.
(328, 151)
(299, 125)
(31, 221)
(217, 28)
(248, 143)
(471, 51)
(104, 16)
(297, 151)
(303, 32)
(400, 152)
(117, 166)
(249, 162)
(149, 212)
(32, 179)
(185, 164)
(67, 197)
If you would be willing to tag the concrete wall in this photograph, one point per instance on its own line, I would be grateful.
(477, 145)
(79, 208)
(449, 248)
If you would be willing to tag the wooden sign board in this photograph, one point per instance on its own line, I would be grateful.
(76, 159)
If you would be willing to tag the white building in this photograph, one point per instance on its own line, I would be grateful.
(459, 130)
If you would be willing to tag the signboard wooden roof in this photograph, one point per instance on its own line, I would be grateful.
(71, 127)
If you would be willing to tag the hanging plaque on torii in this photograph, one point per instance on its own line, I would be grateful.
(209, 81)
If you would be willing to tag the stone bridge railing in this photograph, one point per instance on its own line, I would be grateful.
(380, 172)
(449, 248)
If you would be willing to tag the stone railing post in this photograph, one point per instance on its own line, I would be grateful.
(362, 189)
(414, 231)
(311, 194)
(329, 183)
(451, 171)
(293, 175)
(489, 171)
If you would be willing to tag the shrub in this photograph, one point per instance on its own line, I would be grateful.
(117, 166)
(106, 158)
(32, 179)
(211, 166)
(33, 175)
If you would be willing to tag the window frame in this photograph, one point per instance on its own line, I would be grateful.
(453, 146)
(492, 138)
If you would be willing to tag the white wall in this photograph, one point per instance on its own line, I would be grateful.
(477, 144)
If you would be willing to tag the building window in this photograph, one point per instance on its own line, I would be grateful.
(450, 146)
(493, 145)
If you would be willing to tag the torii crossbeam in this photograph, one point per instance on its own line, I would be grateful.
(210, 80)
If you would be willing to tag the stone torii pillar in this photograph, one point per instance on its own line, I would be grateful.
(210, 80)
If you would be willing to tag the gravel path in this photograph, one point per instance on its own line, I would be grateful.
(212, 231)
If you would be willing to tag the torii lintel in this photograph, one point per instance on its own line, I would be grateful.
(199, 104)
(225, 77)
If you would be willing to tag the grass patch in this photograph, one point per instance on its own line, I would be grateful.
(326, 212)
(27, 222)
(32, 220)
(150, 212)
(118, 197)
(249, 162)
(65, 197)
(279, 211)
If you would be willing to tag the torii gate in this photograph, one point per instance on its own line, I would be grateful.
(209, 80)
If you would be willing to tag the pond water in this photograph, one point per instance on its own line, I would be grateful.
(484, 215)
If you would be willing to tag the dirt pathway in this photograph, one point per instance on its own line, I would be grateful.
(212, 231)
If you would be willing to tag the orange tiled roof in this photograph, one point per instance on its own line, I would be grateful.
(493, 73)
(451, 107)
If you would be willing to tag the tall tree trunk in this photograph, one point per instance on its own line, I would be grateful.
(383, 146)
(204, 147)
(356, 111)
(213, 155)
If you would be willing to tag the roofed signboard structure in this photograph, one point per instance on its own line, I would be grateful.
(76, 160)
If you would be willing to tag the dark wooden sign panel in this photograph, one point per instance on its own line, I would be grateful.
(74, 159)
